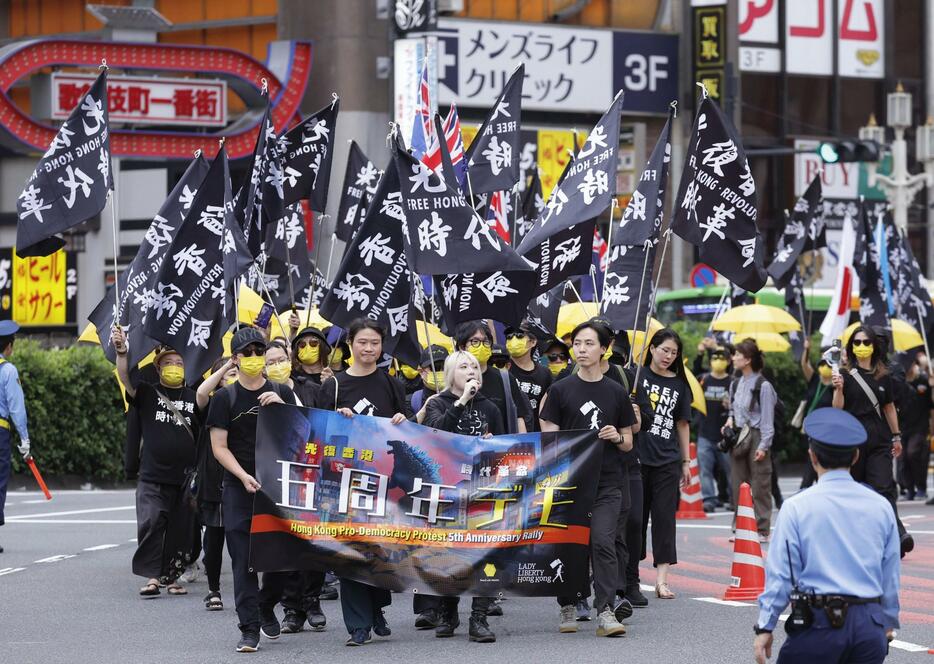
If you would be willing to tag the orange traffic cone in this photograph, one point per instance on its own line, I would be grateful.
(692, 504)
(747, 580)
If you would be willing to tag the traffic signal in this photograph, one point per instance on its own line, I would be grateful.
(835, 152)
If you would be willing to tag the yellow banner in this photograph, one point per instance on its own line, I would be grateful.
(553, 156)
(39, 289)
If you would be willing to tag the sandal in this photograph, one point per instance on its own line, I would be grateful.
(149, 591)
(175, 589)
(213, 602)
(662, 591)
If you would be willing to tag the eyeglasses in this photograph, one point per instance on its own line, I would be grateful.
(557, 357)
(862, 342)
(253, 351)
(515, 335)
(476, 343)
(311, 343)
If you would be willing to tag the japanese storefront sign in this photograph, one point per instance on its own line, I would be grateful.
(859, 36)
(708, 54)
(38, 291)
(147, 100)
(409, 508)
(566, 68)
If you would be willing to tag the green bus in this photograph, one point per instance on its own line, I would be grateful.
(700, 304)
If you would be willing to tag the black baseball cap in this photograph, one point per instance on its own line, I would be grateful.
(435, 353)
(247, 336)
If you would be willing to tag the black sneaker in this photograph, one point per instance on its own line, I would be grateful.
(495, 609)
(907, 544)
(479, 630)
(427, 619)
(249, 642)
(361, 636)
(316, 618)
(380, 626)
(293, 621)
(583, 611)
(622, 609)
(636, 598)
(270, 627)
(328, 592)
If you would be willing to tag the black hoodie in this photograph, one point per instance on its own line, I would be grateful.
(478, 417)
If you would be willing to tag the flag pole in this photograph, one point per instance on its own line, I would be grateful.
(327, 275)
(113, 220)
(515, 214)
(288, 272)
(580, 300)
(924, 334)
(271, 302)
(648, 315)
(314, 271)
(635, 323)
(431, 356)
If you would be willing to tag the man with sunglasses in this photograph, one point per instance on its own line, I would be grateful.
(474, 337)
(534, 379)
(232, 417)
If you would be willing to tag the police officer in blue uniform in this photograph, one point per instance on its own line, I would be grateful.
(12, 410)
(834, 556)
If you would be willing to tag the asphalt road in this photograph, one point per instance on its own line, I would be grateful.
(67, 595)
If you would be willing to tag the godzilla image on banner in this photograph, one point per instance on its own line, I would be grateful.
(409, 508)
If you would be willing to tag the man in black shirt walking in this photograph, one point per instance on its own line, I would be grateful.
(168, 427)
(590, 400)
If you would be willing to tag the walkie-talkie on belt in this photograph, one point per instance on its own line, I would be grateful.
(802, 617)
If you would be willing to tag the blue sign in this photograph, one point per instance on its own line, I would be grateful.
(645, 65)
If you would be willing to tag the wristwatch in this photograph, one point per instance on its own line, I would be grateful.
(760, 630)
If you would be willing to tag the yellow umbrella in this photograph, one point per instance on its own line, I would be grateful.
(315, 320)
(249, 306)
(904, 336)
(572, 314)
(756, 318)
(435, 334)
(768, 342)
(698, 401)
(639, 340)
(90, 335)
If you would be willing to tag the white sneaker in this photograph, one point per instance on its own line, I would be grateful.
(192, 573)
(607, 625)
(568, 619)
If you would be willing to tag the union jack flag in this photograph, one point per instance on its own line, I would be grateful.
(600, 249)
(455, 144)
(497, 214)
(424, 142)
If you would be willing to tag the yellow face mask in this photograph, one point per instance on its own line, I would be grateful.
(279, 372)
(556, 367)
(231, 380)
(350, 361)
(434, 380)
(337, 355)
(172, 375)
(609, 353)
(517, 347)
(481, 352)
(409, 372)
(862, 352)
(825, 371)
(718, 366)
(252, 366)
(309, 355)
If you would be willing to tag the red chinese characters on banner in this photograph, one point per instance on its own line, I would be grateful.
(136, 100)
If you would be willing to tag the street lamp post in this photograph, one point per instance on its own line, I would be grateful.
(900, 186)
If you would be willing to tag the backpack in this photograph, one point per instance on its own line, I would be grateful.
(778, 414)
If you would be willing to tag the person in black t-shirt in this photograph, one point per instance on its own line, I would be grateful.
(589, 400)
(474, 337)
(915, 421)
(664, 449)
(534, 379)
(232, 417)
(864, 373)
(716, 386)
(168, 427)
(364, 389)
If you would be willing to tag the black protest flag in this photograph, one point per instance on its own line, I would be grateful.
(493, 155)
(803, 228)
(794, 304)
(188, 309)
(587, 186)
(532, 205)
(500, 296)
(261, 199)
(873, 308)
(911, 290)
(373, 280)
(360, 181)
(283, 269)
(72, 180)
(716, 205)
(136, 282)
(642, 218)
(627, 289)
(307, 152)
(565, 254)
(445, 235)
(544, 309)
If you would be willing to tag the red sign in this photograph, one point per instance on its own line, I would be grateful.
(147, 100)
(703, 275)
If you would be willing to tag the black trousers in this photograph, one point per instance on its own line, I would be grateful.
(250, 601)
(301, 589)
(154, 506)
(660, 495)
(213, 556)
(634, 532)
(874, 467)
(608, 553)
(917, 457)
(360, 602)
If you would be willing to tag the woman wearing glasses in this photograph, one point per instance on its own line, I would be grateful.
(863, 388)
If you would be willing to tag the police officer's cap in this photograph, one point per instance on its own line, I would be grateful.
(8, 328)
(835, 428)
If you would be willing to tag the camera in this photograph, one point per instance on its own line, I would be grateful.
(728, 441)
(832, 356)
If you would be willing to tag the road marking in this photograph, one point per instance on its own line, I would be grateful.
(722, 602)
(10, 570)
(704, 525)
(66, 521)
(55, 559)
(101, 547)
(32, 502)
(910, 647)
(70, 512)
(647, 589)
(912, 516)
(132, 539)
